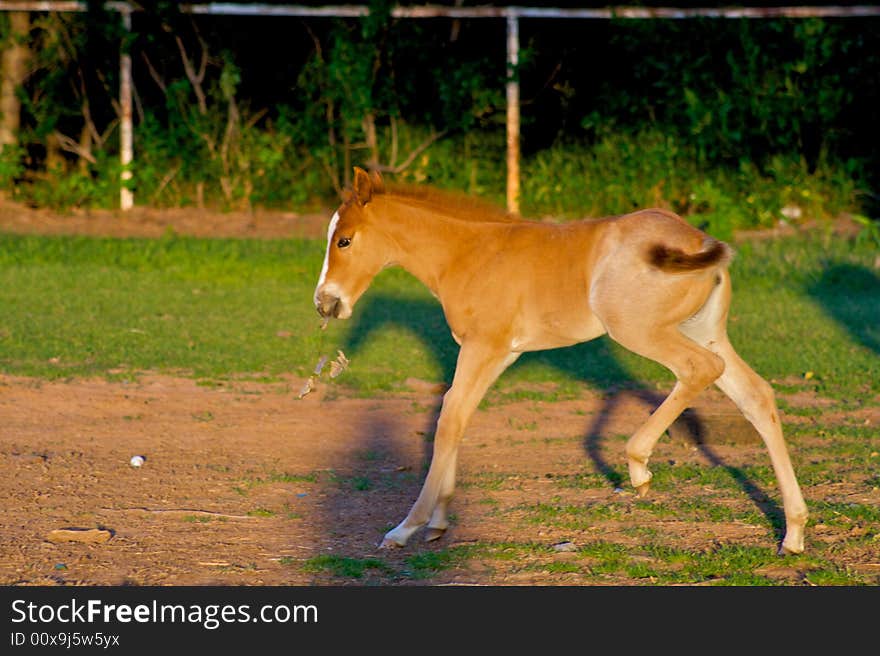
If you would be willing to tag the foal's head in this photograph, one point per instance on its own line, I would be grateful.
(356, 251)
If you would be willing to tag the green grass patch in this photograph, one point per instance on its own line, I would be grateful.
(667, 477)
(421, 565)
(581, 481)
(722, 565)
(606, 561)
(488, 481)
(572, 516)
(361, 483)
(586, 517)
(429, 563)
(836, 513)
(279, 477)
(209, 308)
(223, 309)
(346, 567)
(558, 567)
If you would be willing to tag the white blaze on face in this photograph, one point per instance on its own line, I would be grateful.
(330, 230)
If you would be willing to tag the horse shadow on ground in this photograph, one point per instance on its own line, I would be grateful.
(591, 362)
(372, 481)
(850, 295)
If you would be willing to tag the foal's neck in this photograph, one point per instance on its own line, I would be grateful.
(427, 241)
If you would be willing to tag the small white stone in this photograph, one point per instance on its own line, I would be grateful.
(137, 461)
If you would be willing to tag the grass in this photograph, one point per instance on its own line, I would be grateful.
(279, 477)
(225, 310)
(417, 566)
(828, 512)
(668, 476)
(78, 306)
(599, 562)
(587, 517)
(345, 567)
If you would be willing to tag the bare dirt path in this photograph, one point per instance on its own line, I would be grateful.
(243, 484)
(151, 222)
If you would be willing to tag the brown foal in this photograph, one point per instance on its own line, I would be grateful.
(653, 282)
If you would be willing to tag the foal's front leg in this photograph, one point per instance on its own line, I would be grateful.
(479, 364)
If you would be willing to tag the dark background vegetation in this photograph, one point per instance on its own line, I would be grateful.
(734, 123)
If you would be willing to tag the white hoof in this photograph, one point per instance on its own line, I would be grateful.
(791, 547)
(642, 481)
(397, 537)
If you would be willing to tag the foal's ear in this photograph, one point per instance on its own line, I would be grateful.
(363, 186)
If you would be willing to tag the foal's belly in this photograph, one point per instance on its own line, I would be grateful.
(549, 332)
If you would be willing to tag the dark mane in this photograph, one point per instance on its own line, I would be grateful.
(458, 204)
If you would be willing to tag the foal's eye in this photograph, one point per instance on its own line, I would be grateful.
(344, 242)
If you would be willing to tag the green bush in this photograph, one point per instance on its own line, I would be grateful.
(11, 165)
(622, 172)
(733, 124)
(617, 174)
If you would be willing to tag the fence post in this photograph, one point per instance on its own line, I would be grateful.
(512, 111)
(126, 133)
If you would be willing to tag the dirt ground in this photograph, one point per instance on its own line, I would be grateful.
(151, 222)
(244, 483)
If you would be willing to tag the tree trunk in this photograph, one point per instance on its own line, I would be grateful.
(13, 70)
(54, 158)
(85, 144)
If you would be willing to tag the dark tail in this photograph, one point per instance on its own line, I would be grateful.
(674, 260)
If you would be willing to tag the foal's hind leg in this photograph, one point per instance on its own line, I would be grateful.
(695, 368)
(754, 397)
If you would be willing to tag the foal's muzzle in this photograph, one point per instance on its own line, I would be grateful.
(328, 305)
